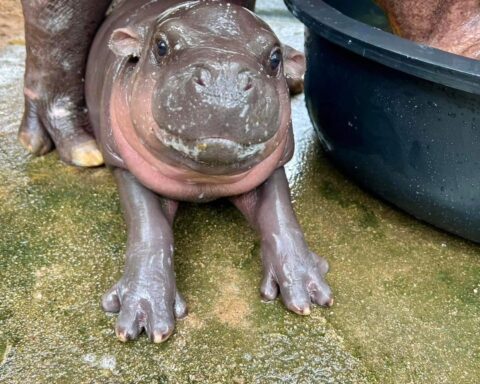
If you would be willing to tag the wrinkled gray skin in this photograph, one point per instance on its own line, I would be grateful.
(205, 118)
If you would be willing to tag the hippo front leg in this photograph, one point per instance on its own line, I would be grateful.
(146, 296)
(289, 267)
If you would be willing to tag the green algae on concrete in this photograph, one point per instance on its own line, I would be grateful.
(407, 304)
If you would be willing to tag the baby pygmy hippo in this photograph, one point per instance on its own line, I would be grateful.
(450, 25)
(190, 102)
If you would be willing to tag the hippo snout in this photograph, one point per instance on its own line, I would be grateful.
(215, 108)
(228, 100)
(230, 80)
(212, 78)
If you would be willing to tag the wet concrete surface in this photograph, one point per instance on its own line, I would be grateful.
(407, 304)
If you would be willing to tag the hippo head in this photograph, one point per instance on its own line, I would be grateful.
(205, 87)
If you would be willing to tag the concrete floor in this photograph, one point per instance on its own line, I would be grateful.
(407, 296)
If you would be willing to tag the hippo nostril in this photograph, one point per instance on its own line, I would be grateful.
(202, 76)
(245, 80)
(200, 82)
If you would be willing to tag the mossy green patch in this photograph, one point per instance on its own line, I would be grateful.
(3, 350)
(368, 218)
(445, 277)
(330, 192)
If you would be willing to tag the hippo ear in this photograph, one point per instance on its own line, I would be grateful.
(294, 68)
(125, 42)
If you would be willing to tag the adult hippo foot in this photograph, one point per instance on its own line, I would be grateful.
(290, 268)
(149, 303)
(58, 122)
(58, 35)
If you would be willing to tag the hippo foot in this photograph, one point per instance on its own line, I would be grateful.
(295, 272)
(150, 305)
(45, 125)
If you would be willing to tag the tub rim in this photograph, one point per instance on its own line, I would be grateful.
(419, 60)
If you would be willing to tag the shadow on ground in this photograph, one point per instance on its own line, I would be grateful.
(407, 296)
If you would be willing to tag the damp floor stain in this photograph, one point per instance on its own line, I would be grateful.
(407, 306)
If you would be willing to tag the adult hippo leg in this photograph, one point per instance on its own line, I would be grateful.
(146, 295)
(289, 267)
(58, 35)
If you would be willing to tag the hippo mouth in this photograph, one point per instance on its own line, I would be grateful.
(213, 151)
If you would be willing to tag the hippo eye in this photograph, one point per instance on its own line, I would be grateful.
(162, 48)
(276, 59)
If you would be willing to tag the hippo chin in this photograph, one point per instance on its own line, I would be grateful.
(190, 102)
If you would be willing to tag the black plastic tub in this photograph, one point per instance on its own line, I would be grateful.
(401, 119)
